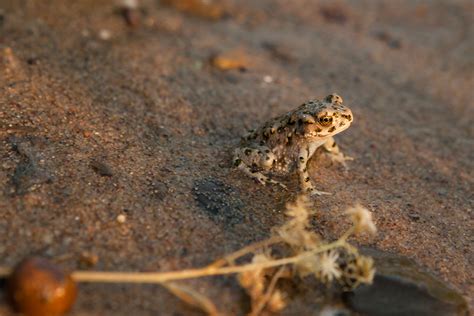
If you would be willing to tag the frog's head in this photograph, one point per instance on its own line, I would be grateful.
(319, 119)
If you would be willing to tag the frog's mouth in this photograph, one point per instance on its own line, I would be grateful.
(336, 128)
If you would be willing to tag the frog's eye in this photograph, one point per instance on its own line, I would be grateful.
(325, 120)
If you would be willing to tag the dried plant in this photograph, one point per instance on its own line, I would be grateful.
(361, 219)
(302, 253)
(262, 290)
(328, 262)
(295, 231)
(192, 298)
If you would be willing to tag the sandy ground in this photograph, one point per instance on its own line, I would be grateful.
(99, 119)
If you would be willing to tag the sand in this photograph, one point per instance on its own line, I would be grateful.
(101, 118)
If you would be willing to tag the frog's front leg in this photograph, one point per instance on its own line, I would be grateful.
(254, 160)
(305, 154)
(334, 152)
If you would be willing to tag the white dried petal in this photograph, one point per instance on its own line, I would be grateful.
(362, 219)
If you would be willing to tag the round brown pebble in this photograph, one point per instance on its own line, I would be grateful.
(38, 287)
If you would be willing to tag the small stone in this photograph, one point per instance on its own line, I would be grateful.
(414, 216)
(388, 39)
(268, 79)
(229, 61)
(105, 34)
(121, 218)
(88, 259)
(87, 134)
(37, 287)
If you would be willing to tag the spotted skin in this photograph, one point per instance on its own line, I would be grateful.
(287, 142)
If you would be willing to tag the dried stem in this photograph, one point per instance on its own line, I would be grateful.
(346, 235)
(192, 298)
(160, 277)
(268, 294)
(230, 258)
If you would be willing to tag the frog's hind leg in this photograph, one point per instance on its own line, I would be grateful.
(260, 177)
(245, 156)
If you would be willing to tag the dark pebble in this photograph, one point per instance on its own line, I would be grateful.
(101, 168)
(401, 287)
(30, 173)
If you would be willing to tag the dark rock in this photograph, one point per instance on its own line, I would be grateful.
(27, 176)
(32, 61)
(29, 146)
(334, 14)
(388, 39)
(279, 51)
(101, 168)
(218, 201)
(29, 173)
(414, 216)
(401, 287)
(131, 16)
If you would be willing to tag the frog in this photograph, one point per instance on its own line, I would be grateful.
(287, 142)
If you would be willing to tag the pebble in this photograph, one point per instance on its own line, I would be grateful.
(268, 79)
(229, 61)
(121, 218)
(105, 34)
